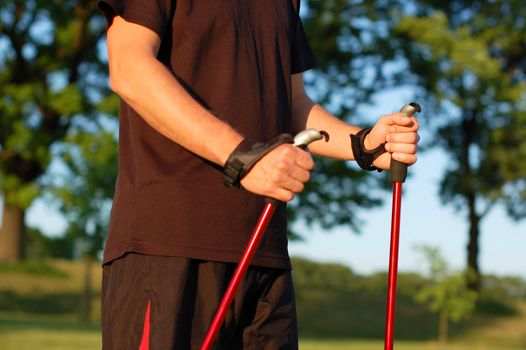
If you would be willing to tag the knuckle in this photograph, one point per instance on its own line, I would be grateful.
(288, 196)
(282, 166)
(385, 119)
(286, 150)
(310, 163)
(300, 188)
(275, 177)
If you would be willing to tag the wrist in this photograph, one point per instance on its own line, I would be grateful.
(241, 160)
(366, 144)
(225, 152)
(363, 155)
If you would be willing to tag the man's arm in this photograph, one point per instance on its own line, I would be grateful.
(398, 131)
(151, 90)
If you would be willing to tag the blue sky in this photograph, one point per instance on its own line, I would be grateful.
(424, 221)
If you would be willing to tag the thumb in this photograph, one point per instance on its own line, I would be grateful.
(398, 119)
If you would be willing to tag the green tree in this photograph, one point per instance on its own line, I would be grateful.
(84, 193)
(51, 74)
(84, 189)
(469, 61)
(348, 39)
(466, 62)
(446, 293)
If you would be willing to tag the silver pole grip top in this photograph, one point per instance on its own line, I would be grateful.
(410, 109)
(305, 137)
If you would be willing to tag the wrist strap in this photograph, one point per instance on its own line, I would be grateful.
(364, 157)
(246, 155)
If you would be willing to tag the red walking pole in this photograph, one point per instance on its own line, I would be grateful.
(302, 140)
(398, 173)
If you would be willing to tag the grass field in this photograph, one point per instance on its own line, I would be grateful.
(22, 331)
(39, 309)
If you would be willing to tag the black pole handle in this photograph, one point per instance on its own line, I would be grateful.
(398, 170)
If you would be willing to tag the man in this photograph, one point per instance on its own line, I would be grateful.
(199, 80)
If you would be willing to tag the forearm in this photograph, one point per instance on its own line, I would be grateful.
(307, 114)
(310, 115)
(153, 92)
(166, 106)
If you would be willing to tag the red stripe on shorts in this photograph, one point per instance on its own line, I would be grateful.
(145, 341)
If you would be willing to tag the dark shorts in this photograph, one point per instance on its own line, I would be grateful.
(178, 299)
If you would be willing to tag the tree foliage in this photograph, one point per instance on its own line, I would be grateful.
(348, 39)
(51, 74)
(468, 59)
(85, 189)
(446, 293)
(84, 192)
(466, 62)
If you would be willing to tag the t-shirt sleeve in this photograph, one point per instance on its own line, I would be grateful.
(302, 56)
(152, 14)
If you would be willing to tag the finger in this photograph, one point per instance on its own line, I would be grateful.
(304, 160)
(407, 148)
(281, 195)
(297, 155)
(404, 123)
(300, 174)
(402, 119)
(288, 176)
(396, 119)
(295, 186)
(284, 187)
(403, 137)
(393, 129)
(408, 159)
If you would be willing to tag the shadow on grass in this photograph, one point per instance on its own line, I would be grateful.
(61, 303)
(493, 306)
(33, 268)
(335, 315)
(10, 321)
(329, 314)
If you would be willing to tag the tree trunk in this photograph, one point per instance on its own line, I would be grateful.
(443, 326)
(12, 234)
(473, 277)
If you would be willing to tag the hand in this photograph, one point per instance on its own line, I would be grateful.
(280, 174)
(399, 132)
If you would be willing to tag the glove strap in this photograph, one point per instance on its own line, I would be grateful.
(364, 157)
(246, 155)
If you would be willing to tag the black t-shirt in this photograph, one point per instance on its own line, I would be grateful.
(236, 57)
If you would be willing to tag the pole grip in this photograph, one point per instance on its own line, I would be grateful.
(302, 140)
(398, 170)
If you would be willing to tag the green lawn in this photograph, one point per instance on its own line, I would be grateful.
(399, 345)
(22, 331)
(43, 332)
(39, 309)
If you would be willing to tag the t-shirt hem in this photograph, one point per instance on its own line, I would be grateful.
(201, 253)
